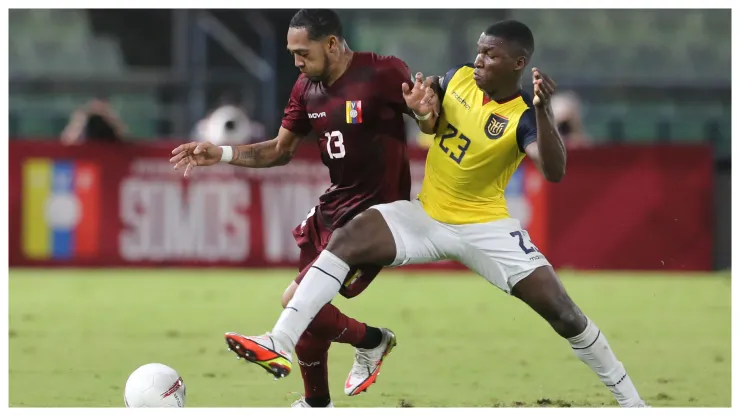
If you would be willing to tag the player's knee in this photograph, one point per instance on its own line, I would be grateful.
(364, 240)
(347, 244)
(340, 244)
(569, 321)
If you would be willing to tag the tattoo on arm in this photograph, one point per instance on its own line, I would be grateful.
(248, 155)
(260, 155)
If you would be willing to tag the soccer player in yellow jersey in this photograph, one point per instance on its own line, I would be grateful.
(484, 125)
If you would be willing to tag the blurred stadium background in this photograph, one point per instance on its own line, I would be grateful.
(122, 262)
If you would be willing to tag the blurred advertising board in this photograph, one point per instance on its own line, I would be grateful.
(640, 208)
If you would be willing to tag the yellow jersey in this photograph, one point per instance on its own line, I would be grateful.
(478, 144)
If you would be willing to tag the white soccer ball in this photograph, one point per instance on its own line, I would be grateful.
(154, 385)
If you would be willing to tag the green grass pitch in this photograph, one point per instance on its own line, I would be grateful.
(462, 342)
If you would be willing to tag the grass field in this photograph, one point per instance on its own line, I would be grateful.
(461, 341)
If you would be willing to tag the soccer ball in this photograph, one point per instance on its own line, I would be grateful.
(154, 385)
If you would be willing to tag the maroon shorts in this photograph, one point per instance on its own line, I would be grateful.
(312, 238)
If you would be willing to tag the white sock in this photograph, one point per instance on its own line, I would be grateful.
(321, 283)
(593, 349)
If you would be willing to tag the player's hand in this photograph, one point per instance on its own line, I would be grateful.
(189, 155)
(544, 88)
(421, 99)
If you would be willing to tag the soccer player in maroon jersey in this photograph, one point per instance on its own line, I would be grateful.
(353, 101)
(429, 229)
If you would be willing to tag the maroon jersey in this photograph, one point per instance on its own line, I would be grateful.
(361, 134)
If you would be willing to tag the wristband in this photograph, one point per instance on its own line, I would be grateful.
(424, 117)
(227, 154)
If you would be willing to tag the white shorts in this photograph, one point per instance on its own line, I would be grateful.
(500, 251)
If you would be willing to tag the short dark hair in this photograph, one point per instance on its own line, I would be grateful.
(319, 23)
(515, 32)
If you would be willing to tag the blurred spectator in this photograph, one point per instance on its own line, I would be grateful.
(96, 121)
(568, 116)
(229, 124)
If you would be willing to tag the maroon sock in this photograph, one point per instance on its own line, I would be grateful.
(312, 355)
(331, 324)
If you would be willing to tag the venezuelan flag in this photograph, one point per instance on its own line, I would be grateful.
(354, 112)
(61, 209)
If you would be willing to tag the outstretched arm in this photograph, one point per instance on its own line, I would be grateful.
(276, 152)
(548, 151)
(280, 150)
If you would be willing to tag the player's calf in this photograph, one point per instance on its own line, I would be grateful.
(366, 239)
(543, 292)
(313, 354)
(333, 325)
(566, 318)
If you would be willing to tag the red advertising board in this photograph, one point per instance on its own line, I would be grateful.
(123, 205)
(639, 208)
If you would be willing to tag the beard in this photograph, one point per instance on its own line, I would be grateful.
(324, 76)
